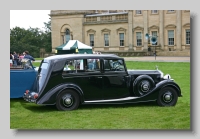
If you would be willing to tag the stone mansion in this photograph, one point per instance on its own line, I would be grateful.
(123, 31)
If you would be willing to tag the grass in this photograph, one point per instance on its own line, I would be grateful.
(39, 58)
(25, 115)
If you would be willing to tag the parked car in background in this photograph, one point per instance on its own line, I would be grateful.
(98, 79)
(21, 78)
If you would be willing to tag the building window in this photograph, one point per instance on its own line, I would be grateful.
(154, 11)
(139, 38)
(121, 39)
(106, 40)
(67, 35)
(138, 11)
(91, 39)
(188, 36)
(154, 33)
(170, 37)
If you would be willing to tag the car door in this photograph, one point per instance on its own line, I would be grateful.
(89, 79)
(114, 79)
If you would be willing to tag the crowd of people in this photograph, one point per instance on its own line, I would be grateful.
(15, 58)
(97, 52)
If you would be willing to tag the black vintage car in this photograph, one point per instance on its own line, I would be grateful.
(70, 80)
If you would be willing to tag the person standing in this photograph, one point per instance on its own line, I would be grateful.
(15, 59)
(11, 59)
(21, 56)
(28, 56)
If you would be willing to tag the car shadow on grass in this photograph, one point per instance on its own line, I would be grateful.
(50, 108)
(32, 106)
(128, 105)
(40, 108)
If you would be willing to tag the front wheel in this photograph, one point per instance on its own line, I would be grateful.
(167, 97)
(67, 100)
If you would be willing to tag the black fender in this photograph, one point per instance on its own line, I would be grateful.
(142, 85)
(51, 95)
(153, 94)
(169, 83)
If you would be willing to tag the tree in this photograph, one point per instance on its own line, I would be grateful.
(22, 40)
(32, 39)
(46, 37)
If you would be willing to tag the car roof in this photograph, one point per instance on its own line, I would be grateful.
(81, 56)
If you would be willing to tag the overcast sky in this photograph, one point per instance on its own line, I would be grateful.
(29, 18)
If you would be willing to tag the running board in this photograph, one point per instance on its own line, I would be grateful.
(110, 100)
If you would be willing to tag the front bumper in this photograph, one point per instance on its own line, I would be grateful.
(30, 96)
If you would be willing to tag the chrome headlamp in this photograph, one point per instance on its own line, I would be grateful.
(167, 76)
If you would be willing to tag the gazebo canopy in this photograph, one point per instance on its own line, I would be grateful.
(72, 45)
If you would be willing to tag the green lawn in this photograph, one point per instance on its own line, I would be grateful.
(39, 58)
(25, 115)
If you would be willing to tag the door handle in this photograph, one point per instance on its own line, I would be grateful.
(99, 77)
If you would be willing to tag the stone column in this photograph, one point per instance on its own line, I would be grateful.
(145, 29)
(83, 30)
(130, 26)
(161, 29)
(178, 30)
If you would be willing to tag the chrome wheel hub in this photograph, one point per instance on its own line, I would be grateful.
(67, 101)
(145, 87)
(167, 97)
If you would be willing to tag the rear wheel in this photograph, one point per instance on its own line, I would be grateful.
(167, 97)
(67, 100)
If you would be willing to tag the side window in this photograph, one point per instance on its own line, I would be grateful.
(72, 66)
(113, 65)
(93, 65)
(81, 66)
(77, 65)
(69, 67)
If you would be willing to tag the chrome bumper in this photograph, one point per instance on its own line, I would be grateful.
(29, 97)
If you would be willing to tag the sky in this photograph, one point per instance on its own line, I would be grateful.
(29, 18)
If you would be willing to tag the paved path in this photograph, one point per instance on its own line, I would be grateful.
(158, 59)
(153, 59)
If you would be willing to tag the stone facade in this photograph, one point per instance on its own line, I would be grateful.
(123, 31)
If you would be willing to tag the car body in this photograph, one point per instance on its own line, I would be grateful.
(21, 78)
(98, 79)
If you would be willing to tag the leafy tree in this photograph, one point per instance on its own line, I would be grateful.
(46, 37)
(32, 39)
